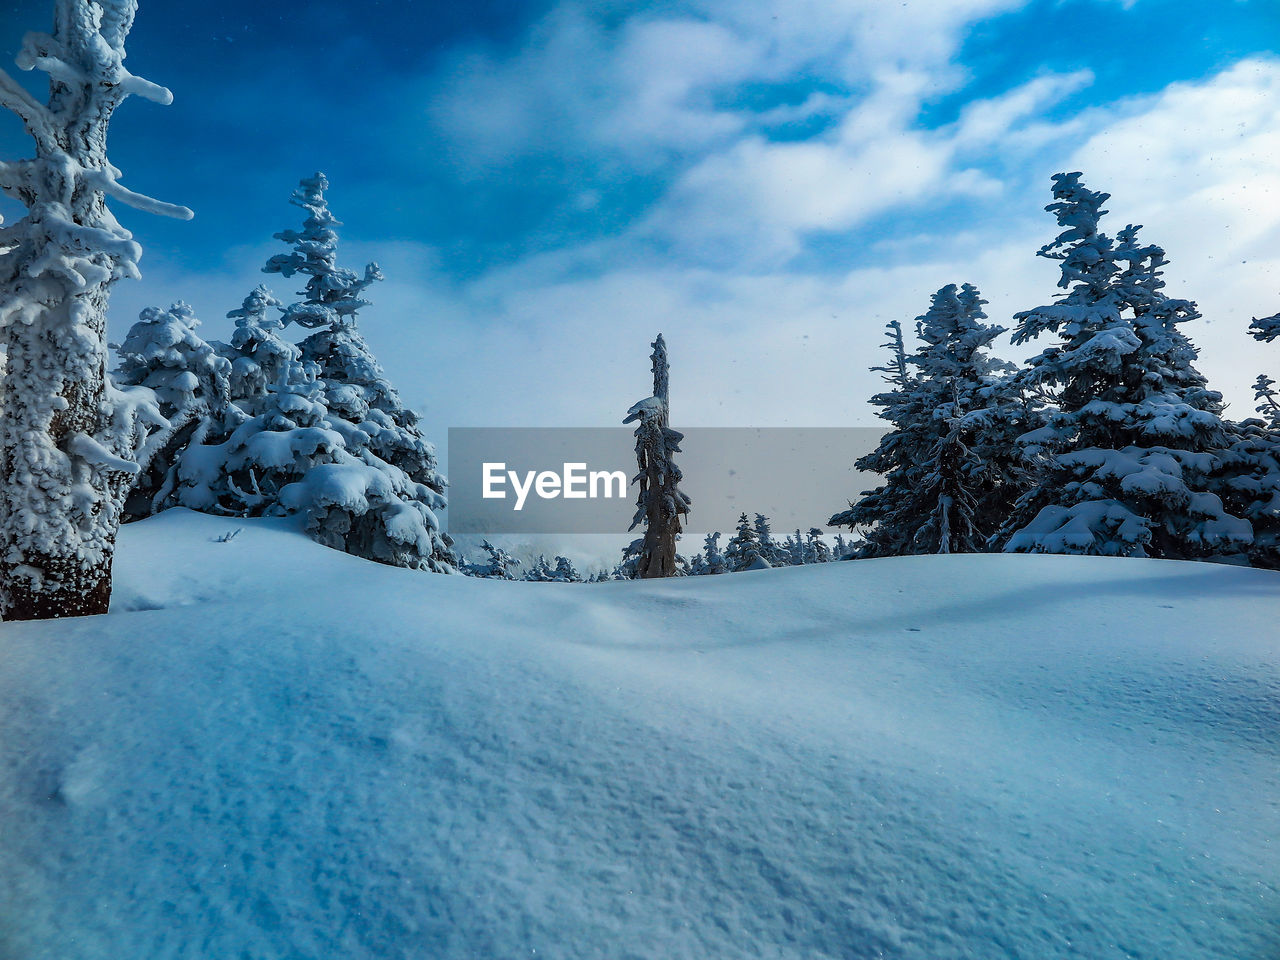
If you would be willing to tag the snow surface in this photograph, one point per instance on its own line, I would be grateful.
(274, 750)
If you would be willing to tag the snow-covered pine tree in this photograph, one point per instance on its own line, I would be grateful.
(934, 474)
(163, 353)
(539, 571)
(377, 429)
(1248, 478)
(565, 571)
(246, 472)
(1130, 451)
(1268, 401)
(69, 442)
(795, 548)
(660, 504)
(713, 560)
(1248, 481)
(895, 371)
(770, 549)
(816, 549)
(257, 352)
(498, 565)
(877, 507)
(743, 550)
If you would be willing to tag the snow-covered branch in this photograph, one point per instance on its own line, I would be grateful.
(35, 115)
(139, 87)
(1266, 329)
(104, 181)
(95, 454)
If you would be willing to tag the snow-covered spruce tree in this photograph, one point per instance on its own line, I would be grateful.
(1131, 449)
(935, 476)
(743, 550)
(794, 548)
(660, 505)
(498, 565)
(842, 550)
(816, 549)
(257, 352)
(246, 472)
(69, 442)
(1248, 479)
(377, 429)
(163, 353)
(770, 548)
(1268, 401)
(539, 571)
(711, 556)
(877, 506)
(565, 571)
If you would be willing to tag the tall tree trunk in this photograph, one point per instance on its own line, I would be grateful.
(59, 521)
(65, 447)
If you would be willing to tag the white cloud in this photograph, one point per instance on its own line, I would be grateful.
(641, 92)
(756, 202)
(657, 88)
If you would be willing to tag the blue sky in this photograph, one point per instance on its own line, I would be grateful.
(546, 185)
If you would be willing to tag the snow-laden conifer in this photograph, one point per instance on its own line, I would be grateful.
(1248, 479)
(935, 475)
(163, 352)
(816, 549)
(257, 352)
(1130, 451)
(712, 556)
(565, 571)
(770, 548)
(743, 550)
(384, 503)
(498, 564)
(795, 548)
(1267, 400)
(540, 571)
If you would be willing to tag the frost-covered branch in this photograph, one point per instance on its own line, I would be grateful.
(35, 115)
(141, 87)
(96, 455)
(104, 181)
(1266, 329)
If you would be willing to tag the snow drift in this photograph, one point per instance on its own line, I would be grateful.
(273, 750)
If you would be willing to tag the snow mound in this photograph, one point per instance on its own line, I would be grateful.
(274, 750)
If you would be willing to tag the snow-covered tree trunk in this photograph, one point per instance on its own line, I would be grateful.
(661, 503)
(67, 438)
